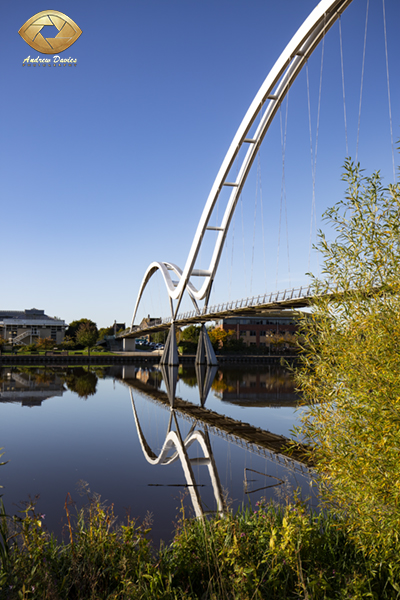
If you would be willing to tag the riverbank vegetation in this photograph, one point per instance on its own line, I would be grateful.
(269, 552)
(349, 374)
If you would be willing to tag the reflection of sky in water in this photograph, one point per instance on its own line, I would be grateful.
(53, 446)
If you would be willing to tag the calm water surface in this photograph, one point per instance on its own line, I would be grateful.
(115, 429)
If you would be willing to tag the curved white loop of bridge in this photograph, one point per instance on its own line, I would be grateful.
(174, 440)
(272, 92)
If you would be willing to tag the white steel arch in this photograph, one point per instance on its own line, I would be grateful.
(272, 92)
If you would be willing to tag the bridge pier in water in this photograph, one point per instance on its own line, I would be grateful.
(170, 355)
(205, 352)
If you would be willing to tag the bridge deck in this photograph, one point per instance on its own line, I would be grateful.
(290, 299)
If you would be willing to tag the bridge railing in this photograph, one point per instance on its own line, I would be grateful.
(251, 301)
(211, 311)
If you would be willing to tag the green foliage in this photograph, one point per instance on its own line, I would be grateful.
(105, 331)
(28, 349)
(272, 553)
(101, 559)
(67, 344)
(191, 334)
(232, 344)
(160, 337)
(267, 553)
(86, 335)
(74, 326)
(187, 347)
(349, 372)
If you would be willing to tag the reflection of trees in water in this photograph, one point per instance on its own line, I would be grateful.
(188, 375)
(81, 382)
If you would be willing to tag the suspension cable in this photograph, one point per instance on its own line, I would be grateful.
(233, 245)
(262, 226)
(362, 79)
(388, 86)
(344, 95)
(283, 186)
(233, 238)
(244, 249)
(313, 222)
(254, 228)
(284, 197)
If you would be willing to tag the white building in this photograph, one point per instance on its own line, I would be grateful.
(26, 326)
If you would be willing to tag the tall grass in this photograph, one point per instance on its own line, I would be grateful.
(270, 552)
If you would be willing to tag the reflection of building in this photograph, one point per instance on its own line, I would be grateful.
(260, 327)
(26, 326)
(271, 388)
(29, 388)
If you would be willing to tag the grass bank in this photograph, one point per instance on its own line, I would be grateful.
(268, 552)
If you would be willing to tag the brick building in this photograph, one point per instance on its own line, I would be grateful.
(257, 329)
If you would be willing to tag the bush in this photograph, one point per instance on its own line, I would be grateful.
(349, 372)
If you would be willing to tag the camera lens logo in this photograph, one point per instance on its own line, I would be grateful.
(34, 30)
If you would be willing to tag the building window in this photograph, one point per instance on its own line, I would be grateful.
(263, 333)
(252, 333)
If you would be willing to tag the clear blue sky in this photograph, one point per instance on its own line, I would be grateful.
(106, 166)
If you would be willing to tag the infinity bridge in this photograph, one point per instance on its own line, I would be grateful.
(231, 178)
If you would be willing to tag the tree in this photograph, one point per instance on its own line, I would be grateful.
(67, 344)
(159, 337)
(349, 373)
(105, 331)
(45, 344)
(87, 335)
(217, 337)
(74, 326)
(191, 333)
(220, 338)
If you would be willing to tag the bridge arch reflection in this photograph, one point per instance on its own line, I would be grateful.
(175, 448)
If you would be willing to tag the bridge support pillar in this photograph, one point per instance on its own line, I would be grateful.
(170, 354)
(129, 345)
(205, 352)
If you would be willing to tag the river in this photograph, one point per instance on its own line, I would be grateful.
(151, 441)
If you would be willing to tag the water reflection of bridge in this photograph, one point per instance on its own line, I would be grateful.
(203, 422)
(275, 447)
